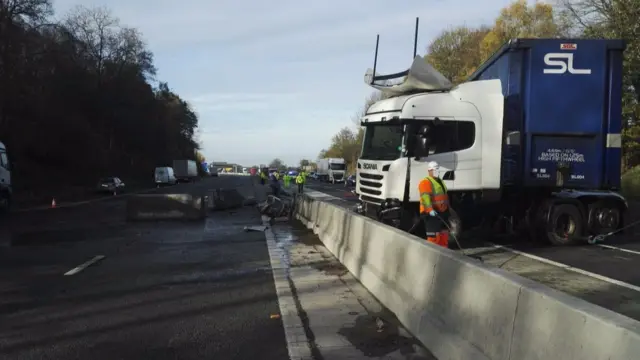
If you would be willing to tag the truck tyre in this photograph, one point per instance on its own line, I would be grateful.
(566, 225)
(604, 217)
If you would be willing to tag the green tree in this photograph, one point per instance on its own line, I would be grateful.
(456, 52)
(345, 145)
(615, 19)
(277, 164)
(521, 20)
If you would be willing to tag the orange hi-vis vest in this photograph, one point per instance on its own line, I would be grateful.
(433, 195)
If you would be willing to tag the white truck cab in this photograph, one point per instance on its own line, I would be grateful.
(463, 126)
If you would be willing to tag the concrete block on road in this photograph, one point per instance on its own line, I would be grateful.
(460, 308)
(165, 207)
(231, 198)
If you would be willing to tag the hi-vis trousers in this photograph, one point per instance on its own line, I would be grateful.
(435, 229)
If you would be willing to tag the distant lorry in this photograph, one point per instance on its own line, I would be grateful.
(6, 191)
(331, 170)
(185, 170)
(530, 144)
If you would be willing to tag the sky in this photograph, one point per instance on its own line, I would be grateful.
(277, 79)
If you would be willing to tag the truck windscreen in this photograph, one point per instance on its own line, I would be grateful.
(337, 166)
(382, 142)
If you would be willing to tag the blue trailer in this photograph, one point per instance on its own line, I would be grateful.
(563, 108)
(531, 143)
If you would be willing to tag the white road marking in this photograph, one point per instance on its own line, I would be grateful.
(294, 334)
(79, 268)
(619, 249)
(570, 268)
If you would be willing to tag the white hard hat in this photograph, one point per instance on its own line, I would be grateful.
(432, 165)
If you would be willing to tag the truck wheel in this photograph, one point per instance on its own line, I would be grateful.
(566, 225)
(604, 217)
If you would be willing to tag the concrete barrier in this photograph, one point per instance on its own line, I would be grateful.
(460, 308)
(165, 207)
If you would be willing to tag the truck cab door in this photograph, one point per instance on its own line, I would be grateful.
(436, 143)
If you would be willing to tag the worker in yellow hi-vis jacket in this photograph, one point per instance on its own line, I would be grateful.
(300, 182)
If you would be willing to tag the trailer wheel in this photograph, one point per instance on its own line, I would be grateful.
(566, 225)
(604, 217)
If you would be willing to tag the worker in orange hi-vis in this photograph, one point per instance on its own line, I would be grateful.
(434, 206)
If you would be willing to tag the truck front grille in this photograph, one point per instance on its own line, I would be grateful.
(370, 185)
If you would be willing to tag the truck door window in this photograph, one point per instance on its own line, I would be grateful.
(449, 136)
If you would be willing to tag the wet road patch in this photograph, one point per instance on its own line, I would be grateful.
(376, 337)
(327, 313)
(56, 236)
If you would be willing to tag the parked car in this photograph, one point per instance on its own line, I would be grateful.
(111, 185)
(350, 181)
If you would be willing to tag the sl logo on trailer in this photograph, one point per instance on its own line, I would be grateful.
(563, 62)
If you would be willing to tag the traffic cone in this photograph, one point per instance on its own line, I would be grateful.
(53, 203)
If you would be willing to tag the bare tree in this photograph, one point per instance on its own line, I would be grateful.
(25, 11)
(98, 30)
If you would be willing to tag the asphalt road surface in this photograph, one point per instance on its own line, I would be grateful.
(79, 282)
(604, 274)
(155, 290)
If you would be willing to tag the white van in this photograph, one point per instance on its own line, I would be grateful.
(165, 176)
